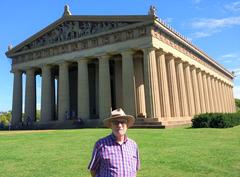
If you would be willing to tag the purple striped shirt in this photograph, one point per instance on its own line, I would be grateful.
(110, 159)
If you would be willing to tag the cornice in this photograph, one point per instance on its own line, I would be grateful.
(186, 47)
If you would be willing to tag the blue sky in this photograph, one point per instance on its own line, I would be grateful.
(213, 26)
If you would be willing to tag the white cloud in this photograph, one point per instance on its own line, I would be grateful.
(208, 27)
(234, 7)
(196, 1)
(229, 55)
(202, 34)
(232, 58)
(216, 23)
(168, 20)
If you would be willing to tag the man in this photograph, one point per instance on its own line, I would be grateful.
(115, 155)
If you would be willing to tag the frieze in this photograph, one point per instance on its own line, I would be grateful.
(72, 30)
(169, 40)
(82, 45)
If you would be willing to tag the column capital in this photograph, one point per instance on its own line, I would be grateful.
(30, 69)
(103, 57)
(63, 63)
(198, 70)
(169, 56)
(179, 60)
(16, 71)
(160, 52)
(185, 64)
(82, 60)
(127, 52)
(193, 67)
(149, 49)
(45, 66)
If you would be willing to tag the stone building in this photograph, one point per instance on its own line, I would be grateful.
(92, 64)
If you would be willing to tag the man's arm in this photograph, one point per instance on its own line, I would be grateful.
(93, 173)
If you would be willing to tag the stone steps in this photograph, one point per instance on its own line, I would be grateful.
(161, 123)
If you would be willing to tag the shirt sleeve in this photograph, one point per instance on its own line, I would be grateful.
(95, 161)
(138, 160)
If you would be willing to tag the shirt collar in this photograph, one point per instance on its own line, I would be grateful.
(112, 136)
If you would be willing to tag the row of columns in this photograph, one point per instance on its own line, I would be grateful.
(165, 87)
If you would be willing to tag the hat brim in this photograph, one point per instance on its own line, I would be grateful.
(130, 120)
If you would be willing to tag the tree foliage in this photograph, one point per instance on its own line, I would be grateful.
(5, 117)
(237, 102)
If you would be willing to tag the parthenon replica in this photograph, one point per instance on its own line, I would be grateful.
(90, 65)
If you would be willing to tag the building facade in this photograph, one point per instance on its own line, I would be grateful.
(90, 65)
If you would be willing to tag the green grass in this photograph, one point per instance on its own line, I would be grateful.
(164, 152)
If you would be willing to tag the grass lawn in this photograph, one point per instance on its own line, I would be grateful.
(164, 152)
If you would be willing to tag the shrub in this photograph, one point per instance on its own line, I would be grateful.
(216, 120)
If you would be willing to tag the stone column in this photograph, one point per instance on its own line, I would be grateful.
(104, 88)
(181, 89)
(128, 83)
(153, 107)
(163, 84)
(228, 98)
(83, 89)
(201, 92)
(30, 95)
(139, 81)
(223, 96)
(118, 83)
(64, 100)
(232, 100)
(206, 91)
(216, 95)
(46, 102)
(211, 101)
(189, 88)
(173, 89)
(17, 98)
(220, 96)
(195, 90)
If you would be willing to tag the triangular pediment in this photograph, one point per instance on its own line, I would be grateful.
(76, 27)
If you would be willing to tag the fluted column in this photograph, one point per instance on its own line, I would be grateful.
(151, 84)
(189, 88)
(216, 94)
(195, 90)
(232, 100)
(17, 98)
(128, 83)
(139, 81)
(64, 99)
(181, 89)
(104, 87)
(211, 101)
(206, 91)
(47, 111)
(83, 89)
(118, 83)
(173, 89)
(163, 84)
(228, 97)
(220, 100)
(201, 92)
(30, 95)
(224, 100)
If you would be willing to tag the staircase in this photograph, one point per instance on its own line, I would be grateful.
(162, 123)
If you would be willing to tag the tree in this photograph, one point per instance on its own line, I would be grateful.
(5, 117)
(237, 103)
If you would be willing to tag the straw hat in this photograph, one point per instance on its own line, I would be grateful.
(119, 114)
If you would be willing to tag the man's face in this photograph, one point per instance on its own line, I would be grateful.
(119, 127)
